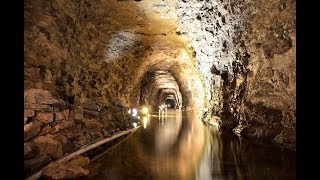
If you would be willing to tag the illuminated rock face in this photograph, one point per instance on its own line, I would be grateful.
(233, 59)
(246, 53)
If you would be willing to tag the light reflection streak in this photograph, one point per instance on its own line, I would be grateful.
(145, 121)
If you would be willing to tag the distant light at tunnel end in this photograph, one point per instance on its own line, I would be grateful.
(145, 110)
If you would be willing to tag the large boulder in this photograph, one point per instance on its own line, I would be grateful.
(50, 146)
(58, 170)
(32, 129)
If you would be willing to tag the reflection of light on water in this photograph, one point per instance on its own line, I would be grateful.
(145, 120)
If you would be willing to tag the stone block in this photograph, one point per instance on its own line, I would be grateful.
(50, 146)
(44, 117)
(63, 171)
(29, 113)
(39, 96)
(32, 129)
(39, 107)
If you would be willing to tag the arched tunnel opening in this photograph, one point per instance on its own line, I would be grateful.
(171, 102)
(156, 87)
(190, 84)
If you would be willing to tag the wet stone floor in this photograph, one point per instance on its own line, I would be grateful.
(180, 146)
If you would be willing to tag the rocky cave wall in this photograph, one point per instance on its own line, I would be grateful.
(234, 59)
(83, 67)
(245, 51)
(98, 51)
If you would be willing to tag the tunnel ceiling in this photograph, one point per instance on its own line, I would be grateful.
(235, 59)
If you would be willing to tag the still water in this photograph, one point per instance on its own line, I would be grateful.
(180, 146)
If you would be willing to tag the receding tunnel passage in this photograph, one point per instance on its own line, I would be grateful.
(156, 86)
(159, 89)
(171, 102)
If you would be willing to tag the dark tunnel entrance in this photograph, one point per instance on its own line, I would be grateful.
(171, 102)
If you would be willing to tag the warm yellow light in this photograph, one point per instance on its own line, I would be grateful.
(134, 124)
(145, 110)
(145, 120)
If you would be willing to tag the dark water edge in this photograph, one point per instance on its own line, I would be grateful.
(182, 147)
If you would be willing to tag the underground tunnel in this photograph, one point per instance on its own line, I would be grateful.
(159, 89)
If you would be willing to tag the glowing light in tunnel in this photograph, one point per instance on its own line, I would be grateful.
(134, 124)
(163, 106)
(129, 111)
(145, 110)
(134, 112)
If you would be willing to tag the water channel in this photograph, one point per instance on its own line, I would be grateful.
(180, 146)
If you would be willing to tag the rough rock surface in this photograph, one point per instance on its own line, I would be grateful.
(65, 129)
(86, 63)
(79, 161)
(50, 146)
(63, 171)
(32, 129)
(99, 51)
(246, 53)
(44, 117)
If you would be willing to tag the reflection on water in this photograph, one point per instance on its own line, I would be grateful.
(180, 146)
